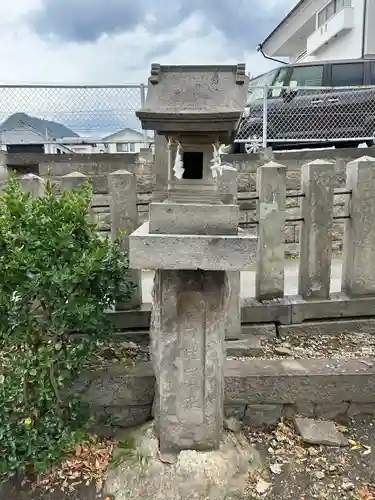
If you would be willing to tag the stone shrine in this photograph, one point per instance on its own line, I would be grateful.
(191, 241)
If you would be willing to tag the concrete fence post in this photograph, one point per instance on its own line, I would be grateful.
(233, 327)
(227, 187)
(317, 184)
(271, 187)
(72, 181)
(161, 168)
(122, 188)
(358, 276)
(33, 184)
(3, 176)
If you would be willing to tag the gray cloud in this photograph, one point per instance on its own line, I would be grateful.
(244, 23)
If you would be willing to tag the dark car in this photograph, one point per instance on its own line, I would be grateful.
(317, 104)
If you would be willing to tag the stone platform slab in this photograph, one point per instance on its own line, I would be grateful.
(180, 218)
(190, 252)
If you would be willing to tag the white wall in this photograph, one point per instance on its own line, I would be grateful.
(124, 137)
(87, 148)
(370, 32)
(347, 45)
(282, 43)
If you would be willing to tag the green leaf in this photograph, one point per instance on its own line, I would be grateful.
(57, 277)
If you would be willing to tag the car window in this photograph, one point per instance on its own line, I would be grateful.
(346, 75)
(307, 76)
(256, 86)
(281, 81)
(372, 73)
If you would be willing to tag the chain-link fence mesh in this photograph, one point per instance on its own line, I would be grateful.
(86, 111)
(308, 114)
(273, 115)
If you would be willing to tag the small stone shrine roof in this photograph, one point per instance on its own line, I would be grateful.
(194, 98)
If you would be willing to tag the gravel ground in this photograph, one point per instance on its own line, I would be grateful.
(293, 469)
(349, 346)
(298, 471)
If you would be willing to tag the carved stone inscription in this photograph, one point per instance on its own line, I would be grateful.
(188, 355)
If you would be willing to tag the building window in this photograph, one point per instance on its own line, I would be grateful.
(330, 10)
(347, 75)
(125, 147)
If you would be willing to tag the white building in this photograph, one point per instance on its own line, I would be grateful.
(25, 139)
(318, 30)
(85, 145)
(126, 141)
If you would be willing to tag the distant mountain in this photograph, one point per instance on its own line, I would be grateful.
(55, 130)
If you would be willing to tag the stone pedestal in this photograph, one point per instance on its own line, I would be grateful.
(187, 333)
(192, 242)
(214, 475)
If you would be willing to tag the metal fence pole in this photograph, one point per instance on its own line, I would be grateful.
(265, 103)
(143, 100)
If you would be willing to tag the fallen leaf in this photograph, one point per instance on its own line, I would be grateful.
(262, 486)
(353, 443)
(342, 428)
(365, 494)
(275, 468)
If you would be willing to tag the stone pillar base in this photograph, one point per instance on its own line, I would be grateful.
(188, 353)
(223, 473)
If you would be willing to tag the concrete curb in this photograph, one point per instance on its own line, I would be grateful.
(355, 314)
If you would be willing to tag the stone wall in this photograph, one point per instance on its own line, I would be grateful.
(98, 166)
(246, 181)
(257, 391)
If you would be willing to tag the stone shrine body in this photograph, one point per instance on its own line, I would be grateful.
(192, 242)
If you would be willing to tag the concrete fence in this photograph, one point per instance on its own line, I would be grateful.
(98, 166)
(324, 195)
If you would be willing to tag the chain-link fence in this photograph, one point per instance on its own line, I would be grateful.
(66, 113)
(70, 114)
(280, 115)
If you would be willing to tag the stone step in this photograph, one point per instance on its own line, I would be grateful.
(209, 197)
(246, 347)
(194, 200)
(255, 316)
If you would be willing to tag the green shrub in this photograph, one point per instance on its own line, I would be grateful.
(57, 277)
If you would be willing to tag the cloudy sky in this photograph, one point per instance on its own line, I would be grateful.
(114, 41)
